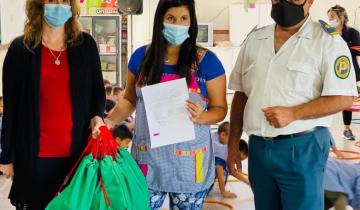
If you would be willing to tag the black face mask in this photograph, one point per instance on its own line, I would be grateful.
(287, 14)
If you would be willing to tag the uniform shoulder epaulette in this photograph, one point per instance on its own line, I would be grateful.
(327, 28)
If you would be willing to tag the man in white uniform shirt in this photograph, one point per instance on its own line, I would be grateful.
(289, 79)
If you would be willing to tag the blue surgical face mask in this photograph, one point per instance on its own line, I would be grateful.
(175, 34)
(56, 15)
(333, 23)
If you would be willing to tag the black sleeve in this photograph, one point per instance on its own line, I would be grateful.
(355, 41)
(8, 130)
(98, 90)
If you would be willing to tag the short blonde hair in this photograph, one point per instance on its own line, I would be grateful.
(341, 13)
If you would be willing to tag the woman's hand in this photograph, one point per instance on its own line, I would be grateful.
(7, 170)
(195, 110)
(96, 123)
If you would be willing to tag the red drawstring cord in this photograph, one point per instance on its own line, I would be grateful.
(103, 144)
(107, 200)
(75, 165)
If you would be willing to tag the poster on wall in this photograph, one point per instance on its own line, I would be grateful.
(99, 7)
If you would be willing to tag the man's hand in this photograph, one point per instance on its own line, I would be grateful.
(234, 159)
(278, 116)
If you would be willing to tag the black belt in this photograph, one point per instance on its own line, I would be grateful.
(289, 136)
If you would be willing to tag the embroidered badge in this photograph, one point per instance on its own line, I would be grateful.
(342, 67)
(327, 28)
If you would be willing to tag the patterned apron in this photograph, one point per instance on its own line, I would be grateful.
(187, 167)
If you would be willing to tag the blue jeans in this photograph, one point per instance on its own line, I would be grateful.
(288, 174)
(178, 201)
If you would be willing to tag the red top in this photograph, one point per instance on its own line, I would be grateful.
(55, 106)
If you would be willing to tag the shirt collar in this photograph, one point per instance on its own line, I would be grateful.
(307, 29)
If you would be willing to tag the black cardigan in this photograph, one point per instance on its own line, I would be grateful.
(352, 38)
(21, 128)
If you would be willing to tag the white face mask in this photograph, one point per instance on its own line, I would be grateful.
(334, 23)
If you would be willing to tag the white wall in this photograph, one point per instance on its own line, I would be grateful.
(12, 24)
(207, 10)
(12, 19)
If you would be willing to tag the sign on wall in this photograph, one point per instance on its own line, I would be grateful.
(99, 7)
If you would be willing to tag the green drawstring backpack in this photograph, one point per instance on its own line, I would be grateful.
(107, 178)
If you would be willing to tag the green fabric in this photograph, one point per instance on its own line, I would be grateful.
(134, 180)
(124, 183)
(114, 185)
(79, 193)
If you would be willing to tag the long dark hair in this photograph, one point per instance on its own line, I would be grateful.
(151, 67)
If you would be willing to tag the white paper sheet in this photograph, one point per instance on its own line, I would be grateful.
(167, 117)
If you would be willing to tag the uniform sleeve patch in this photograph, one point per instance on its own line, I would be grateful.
(342, 67)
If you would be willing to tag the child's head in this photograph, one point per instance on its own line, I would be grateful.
(122, 135)
(223, 132)
(118, 93)
(244, 149)
(108, 91)
(106, 83)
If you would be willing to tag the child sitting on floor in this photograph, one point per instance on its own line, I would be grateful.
(220, 140)
(342, 185)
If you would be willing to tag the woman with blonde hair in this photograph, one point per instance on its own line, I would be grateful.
(339, 19)
(53, 93)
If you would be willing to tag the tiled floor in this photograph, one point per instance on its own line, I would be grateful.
(245, 198)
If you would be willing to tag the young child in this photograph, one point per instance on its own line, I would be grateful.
(118, 94)
(342, 185)
(220, 141)
(122, 135)
(109, 103)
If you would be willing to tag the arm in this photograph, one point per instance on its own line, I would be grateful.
(280, 117)
(126, 106)
(244, 179)
(10, 104)
(236, 130)
(321, 107)
(221, 180)
(336, 94)
(9, 115)
(217, 110)
(355, 40)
